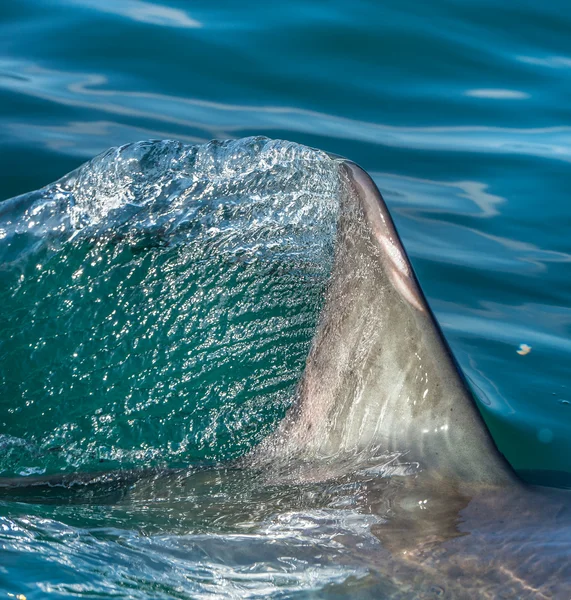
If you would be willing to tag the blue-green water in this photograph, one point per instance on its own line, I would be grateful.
(158, 303)
(460, 112)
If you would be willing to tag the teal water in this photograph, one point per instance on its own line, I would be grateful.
(460, 112)
(159, 302)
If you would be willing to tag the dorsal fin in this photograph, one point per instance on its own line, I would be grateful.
(379, 375)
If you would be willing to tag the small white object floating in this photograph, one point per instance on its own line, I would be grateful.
(524, 349)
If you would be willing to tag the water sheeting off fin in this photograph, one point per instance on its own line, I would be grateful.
(157, 304)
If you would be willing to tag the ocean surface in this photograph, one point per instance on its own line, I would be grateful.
(459, 110)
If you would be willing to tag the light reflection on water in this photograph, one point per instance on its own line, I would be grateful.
(222, 120)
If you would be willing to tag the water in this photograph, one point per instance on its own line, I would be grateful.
(459, 110)
(158, 301)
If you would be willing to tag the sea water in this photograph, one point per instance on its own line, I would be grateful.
(128, 339)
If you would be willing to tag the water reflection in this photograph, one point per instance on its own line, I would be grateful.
(145, 12)
(224, 120)
(496, 94)
(470, 198)
(553, 62)
(84, 138)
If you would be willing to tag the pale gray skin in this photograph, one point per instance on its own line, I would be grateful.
(379, 376)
